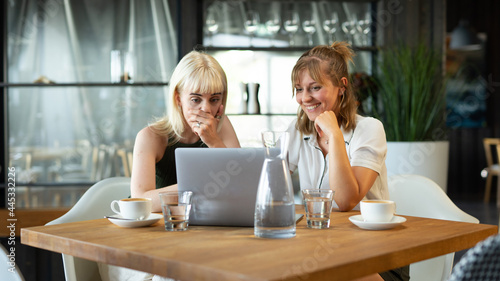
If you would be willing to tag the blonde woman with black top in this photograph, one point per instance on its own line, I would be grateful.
(197, 99)
(196, 104)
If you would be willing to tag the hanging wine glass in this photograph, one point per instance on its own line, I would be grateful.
(309, 27)
(330, 25)
(364, 27)
(349, 29)
(291, 22)
(252, 24)
(355, 35)
(212, 25)
(273, 25)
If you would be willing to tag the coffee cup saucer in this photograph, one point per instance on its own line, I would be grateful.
(118, 220)
(358, 221)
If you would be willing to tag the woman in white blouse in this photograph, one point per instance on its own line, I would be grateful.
(331, 145)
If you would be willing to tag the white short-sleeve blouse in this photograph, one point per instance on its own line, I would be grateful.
(366, 146)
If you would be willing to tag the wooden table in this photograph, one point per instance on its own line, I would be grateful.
(341, 252)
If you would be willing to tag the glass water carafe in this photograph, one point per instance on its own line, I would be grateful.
(275, 206)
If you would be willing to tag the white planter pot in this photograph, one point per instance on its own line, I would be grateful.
(429, 159)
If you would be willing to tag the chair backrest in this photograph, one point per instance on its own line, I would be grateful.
(125, 156)
(94, 204)
(481, 263)
(488, 143)
(419, 196)
(8, 267)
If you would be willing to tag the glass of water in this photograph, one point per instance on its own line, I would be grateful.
(318, 206)
(176, 207)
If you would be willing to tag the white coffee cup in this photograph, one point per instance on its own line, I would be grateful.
(133, 208)
(377, 210)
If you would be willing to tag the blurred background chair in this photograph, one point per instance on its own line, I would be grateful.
(94, 204)
(419, 196)
(125, 157)
(77, 165)
(23, 161)
(481, 263)
(100, 162)
(492, 150)
(8, 272)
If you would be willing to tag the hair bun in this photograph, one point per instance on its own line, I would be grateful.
(344, 50)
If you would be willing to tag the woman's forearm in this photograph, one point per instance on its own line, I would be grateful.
(154, 194)
(341, 176)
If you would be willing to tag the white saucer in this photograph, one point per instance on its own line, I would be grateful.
(135, 223)
(358, 220)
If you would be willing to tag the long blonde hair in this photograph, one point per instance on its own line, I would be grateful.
(199, 73)
(332, 62)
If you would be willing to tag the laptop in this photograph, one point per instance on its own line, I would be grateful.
(224, 182)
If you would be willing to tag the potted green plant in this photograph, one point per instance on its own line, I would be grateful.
(411, 103)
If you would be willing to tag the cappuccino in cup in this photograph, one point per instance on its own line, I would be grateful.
(132, 208)
(377, 210)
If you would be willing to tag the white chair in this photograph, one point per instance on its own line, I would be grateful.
(8, 268)
(94, 204)
(421, 197)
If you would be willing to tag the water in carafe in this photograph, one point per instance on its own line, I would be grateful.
(275, 207)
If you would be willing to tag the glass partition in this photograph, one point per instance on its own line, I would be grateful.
(83, 78)
(72, 41)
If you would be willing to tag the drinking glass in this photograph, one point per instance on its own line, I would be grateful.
(364, 26)
(176, 207)
(291, 22)
(273, 25)
(309, 27)
(212, 25)
(349, 28)
(330, 25)
(318, 207)
(252, 22)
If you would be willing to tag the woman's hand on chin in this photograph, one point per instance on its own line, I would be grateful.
(326, 123)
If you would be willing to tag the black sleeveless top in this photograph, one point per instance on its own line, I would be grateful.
(165, 168)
